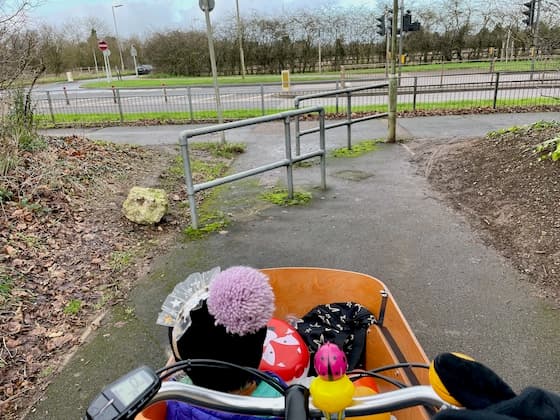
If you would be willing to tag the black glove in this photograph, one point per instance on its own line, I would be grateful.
(532, 403)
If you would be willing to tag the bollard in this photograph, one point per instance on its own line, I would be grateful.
(414, 93)
(189, 94)
(442, 70)
(349, 120)
(336, 103)
(262, 100)
(164, 91)
(496, 86)
(120, 106)
(66, 95)
(49, 100)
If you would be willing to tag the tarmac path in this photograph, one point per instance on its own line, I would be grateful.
(377, 216)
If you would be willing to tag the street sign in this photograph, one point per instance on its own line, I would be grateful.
(102, 45)
(133, 51)
(106, 53)
(202, 5)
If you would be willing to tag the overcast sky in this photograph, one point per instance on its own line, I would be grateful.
(143, 16)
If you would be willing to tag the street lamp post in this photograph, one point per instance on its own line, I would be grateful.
(239, 35)
(117, 34)
(207, 6)
(319, 39)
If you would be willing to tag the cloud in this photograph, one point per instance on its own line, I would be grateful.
(140, 17)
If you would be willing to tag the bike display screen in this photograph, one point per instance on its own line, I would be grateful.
(132, 387)
(125, 397)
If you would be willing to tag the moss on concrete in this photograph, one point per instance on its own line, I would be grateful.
(357, 149)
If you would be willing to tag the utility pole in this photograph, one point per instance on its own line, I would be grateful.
(536, 36)
(392, 117)
(117, 34)
(207, 6)
(533, 25)
(319, 38)
(401, 34)
(239, 36)
(387, 52)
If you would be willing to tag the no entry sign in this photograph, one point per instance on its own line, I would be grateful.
(102, 45)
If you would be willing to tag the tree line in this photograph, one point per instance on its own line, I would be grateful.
(455, 29)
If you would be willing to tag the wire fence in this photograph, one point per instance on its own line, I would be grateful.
(195, 104)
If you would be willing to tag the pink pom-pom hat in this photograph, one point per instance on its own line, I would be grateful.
(241, 299)
(230, 324)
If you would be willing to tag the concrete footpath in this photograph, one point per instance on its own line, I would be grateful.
(377, 216)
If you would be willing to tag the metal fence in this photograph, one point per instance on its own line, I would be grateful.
(288, 161)
(348, 94)
(416, 92)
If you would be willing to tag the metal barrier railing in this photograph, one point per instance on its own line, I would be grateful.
(348, 122)
(186, 104)
(287, 162)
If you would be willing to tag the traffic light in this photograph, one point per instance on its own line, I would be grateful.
(407, 24)
(529, 12)
(381, 30)
(389, 15)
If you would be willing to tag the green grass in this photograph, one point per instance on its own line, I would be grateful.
(228, 150)
(51, 78)
(6, 285)
(160, 80)
(357, 149)
(521, 65)
(44, 121)
(119, 260)
(210, 170)
(208, 223)
(73, 307)
(280, 198)
(458, 104)
(157, 80)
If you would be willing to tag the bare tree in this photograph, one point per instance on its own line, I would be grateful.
(17, 44)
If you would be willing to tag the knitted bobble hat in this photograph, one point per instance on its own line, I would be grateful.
(230, 325)
(241, 299)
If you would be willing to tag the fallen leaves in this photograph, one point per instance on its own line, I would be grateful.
(58, 232)
(55, 237)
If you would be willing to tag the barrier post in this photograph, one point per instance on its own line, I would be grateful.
(414, 93)
(262, 99)
(336, 102)
(290, 166)
(66, 95)
(49, 100)
(496, 90)
(189, 95)
(120, 105)
(349, 120)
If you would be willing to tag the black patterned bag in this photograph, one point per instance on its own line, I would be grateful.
(344, 324)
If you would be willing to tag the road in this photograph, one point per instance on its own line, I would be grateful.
(420, 88)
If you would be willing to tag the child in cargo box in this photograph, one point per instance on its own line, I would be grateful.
(225, 319)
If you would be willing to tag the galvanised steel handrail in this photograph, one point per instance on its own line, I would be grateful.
(288, 160)
(349, 121)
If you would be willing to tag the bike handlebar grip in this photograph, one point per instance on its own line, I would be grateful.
(297, 403)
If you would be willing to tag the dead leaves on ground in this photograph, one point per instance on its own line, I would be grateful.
(60, 223)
